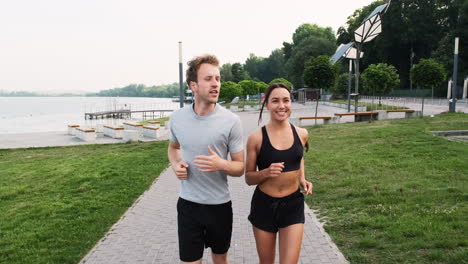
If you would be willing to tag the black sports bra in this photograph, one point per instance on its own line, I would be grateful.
(291, 157)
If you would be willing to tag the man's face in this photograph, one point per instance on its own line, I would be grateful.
(208, 85)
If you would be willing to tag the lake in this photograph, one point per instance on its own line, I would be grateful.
(43, 114)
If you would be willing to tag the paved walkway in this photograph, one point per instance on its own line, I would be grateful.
(147, 233)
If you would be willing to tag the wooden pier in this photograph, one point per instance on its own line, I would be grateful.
(127, 114)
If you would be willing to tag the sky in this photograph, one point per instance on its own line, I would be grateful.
(92, 45)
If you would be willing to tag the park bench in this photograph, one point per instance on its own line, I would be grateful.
(154, 123)
(72, 129)
(151, 131)
(130, 135)
(132, 126)
(113, 131)
(85, 134)
(326, 119)
(360, 116)
(408, 112)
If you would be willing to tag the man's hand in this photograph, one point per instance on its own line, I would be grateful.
(274, 170)
(180, 169)
(210, 163)
(306, 187)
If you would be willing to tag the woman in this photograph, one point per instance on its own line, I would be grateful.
(277, 203)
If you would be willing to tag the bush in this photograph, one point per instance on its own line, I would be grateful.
(229, 90)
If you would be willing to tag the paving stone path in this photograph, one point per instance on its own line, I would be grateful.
(147, 233)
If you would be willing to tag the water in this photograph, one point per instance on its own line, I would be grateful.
(43, 114)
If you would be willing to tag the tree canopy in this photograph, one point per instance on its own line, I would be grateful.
(379, 79)
(229, 90)
(413, 29)
(428, 73)
(283, 81)
(319, 73)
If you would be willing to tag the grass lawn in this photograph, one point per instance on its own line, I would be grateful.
(56, 203)
(371, 106)
(391, 192)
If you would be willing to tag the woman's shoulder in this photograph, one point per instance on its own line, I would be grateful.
(302, 132)
(255, 136)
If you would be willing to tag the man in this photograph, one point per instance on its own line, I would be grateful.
(202, 135)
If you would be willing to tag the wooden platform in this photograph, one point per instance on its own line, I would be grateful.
(126, 114)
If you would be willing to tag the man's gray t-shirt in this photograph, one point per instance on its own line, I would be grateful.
(221, 130)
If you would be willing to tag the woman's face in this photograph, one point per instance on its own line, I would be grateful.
(279, 104)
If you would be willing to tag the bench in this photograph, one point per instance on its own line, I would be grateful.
(113, 131)
(130, 135)
(360, 116)
(151, 131)
(326, 119)
(85, 134)
(133, 126)
(72, 129)
(154, 123)
(408, 112)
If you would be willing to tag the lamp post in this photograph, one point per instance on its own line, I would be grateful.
(349, 84)
(370, 28)
(453, 100)
(181, 85)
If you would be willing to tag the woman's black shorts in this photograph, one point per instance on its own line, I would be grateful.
(270, 213)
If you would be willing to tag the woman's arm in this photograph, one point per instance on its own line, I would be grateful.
(306, 185)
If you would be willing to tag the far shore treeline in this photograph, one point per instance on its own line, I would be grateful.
(132, 90)
(141, 90)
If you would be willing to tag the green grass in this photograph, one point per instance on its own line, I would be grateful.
(162, 120)
(391, 192)
(56, 203)
(370, 106)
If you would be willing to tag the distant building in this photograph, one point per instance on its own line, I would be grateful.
(303, 95)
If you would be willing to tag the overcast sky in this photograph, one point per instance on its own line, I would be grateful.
(92, 45)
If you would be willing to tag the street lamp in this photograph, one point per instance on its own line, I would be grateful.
(453, 101)
(370, 28)
(181, 85)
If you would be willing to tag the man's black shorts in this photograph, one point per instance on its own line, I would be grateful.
(270, 213)
(202, 225)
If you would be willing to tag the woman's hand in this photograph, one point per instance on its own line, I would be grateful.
(274, 170)
(306, 187)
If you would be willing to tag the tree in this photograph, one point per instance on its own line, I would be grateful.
(319, 73)
(341, 85)
(249, 87)
(238, 73)
(312, 46)
(229, 90)
(274, 65)
(457, 27)
(428, 73)
(254, 66)
(226, 72)
(305, 31)
(283, 81)
(412, 26)
(380, 79)
(261, 87)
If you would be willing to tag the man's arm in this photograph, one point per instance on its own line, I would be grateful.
(236, 164)
(233, 167)
(177, 164)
